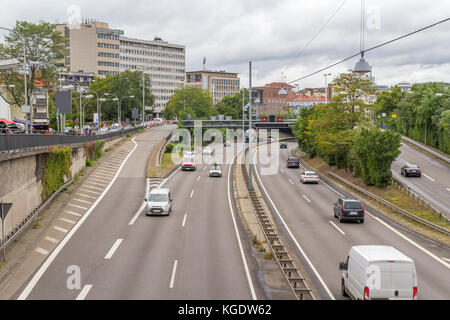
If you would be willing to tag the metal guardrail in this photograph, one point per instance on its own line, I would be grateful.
(163, 149)
(390, 205)
(279, 250)
(32, 216)
(428, 150)
(16, 142)
(419, 198)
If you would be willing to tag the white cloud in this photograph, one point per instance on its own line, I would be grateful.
(271, 33)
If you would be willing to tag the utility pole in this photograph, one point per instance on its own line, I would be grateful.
(250, 134)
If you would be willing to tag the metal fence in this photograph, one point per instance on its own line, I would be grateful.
(14, 142)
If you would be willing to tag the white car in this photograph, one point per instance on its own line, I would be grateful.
(309, 177)
(378, 273)
(207, 151)
(215, 171)
(159, 202)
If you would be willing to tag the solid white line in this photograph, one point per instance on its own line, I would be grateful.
(67, 220)
(113, 248)
(172, 279)
(37, 276)
(192, 193)
(41, 251)
(76, 199)
(244, 260)
(51, 239)
(184, 220)
(307, 199)
(85, 195)
(446, 259)
(198, 178)
(291, 181)
(80, 207)
(427, 176)
(418, 246)
(292, 236)
(165, 180)
(147, 189)
(334, 225)
(94, 192)
(448, 189)
(60, 229)
(73, 213)
(84, 292)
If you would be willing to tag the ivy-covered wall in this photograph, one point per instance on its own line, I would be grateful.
(56, 170)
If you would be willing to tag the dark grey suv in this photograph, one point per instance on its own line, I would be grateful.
(349, 210)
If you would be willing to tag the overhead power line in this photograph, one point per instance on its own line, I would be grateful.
(372, 48)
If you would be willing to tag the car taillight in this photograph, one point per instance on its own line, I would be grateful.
(366, 293)
(343, 206)
(407, 170)
(415, 293)
(316, 178)
(306, 177)
(362, 205)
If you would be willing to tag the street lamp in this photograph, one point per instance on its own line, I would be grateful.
(118, 104)
(143, 91)
(326, 88)
(101, 100)
(120, 117)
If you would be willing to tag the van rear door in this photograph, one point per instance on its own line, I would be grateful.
(397, 280)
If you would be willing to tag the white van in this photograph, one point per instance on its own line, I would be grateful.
(159, 202)
(378, 273)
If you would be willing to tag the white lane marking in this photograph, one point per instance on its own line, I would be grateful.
(99, 184)
(292, 236)
(73, 213)
(198, 178)
(51, 239)
(448, 189)
(244, 261)
(338, 229)
(290, 181)
(67, 220)
(166, 179)
(446, 259)
(37, 276)
(81, 200)
(147, 190)
(84, 292)
(174, 270)
(86, 190)
(95, 188)
(428, 177)
(113, 248)
(192, 193)
(306, 198)
(60, 229)
(184, 220)
(80, 207)
(42, 251)
(85, 195)
(282, 170)
(418, 246)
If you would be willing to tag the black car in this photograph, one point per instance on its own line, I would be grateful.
(293, 162)
(349, 209)
(411, 170)
(283, 145)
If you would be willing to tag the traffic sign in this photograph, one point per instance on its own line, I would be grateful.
(4, 208)
(264, 119)
(394, 116)
(279, 119)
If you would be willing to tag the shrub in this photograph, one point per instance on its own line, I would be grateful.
(169, 147)
(56, 169)
(88, 163)
(139, 131)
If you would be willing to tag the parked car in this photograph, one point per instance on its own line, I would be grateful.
(378, 273)
(215, 171)
(283, 145)
(293, 162)
(309, 177)
(159, 202)
(411, 170)
(349, 209)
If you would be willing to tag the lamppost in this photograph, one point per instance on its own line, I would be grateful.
(326, 88)
(101, 100)
(121, 105)
(89, 96)
(24, 66)
(143, 91)
(250, 135)
(118, 104)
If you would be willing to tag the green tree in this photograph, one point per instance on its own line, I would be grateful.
(302, 132)
(376, 150)
(232, 105)
(43, 44)
(195, 101)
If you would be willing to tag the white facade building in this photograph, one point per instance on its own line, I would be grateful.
(164, 62)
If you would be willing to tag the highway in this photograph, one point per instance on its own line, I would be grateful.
(192, 254)
(434, 185)
(307, 211)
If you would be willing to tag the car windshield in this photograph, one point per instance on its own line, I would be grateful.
(215, 167)
(293, 159)
(155, 197)
(311, 174)
(412, 166)
(188, 160)
(353, 205)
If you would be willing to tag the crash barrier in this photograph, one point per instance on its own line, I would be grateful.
(390, 205)
(15, 142)
(427, 150)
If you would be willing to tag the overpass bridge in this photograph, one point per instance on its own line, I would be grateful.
(236, 124)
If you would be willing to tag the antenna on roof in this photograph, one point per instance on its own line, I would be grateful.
(204, 63)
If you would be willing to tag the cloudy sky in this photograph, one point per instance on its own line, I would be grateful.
(274, 35)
